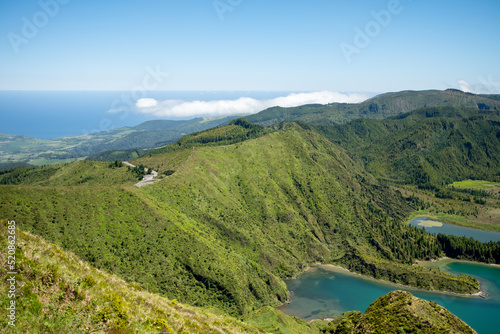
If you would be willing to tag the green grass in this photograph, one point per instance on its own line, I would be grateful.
(476, 184)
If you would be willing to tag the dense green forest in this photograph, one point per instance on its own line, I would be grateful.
(429, 147)
(232, 221)
(470, 249)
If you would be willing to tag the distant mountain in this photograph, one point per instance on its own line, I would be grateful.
(378, 107)
(429, 147)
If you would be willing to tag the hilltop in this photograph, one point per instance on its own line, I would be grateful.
(399, 312)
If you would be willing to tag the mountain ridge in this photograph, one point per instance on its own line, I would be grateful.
(378, 107)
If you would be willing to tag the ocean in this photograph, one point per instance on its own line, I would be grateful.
(52, 114)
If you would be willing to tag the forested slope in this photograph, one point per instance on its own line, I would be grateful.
(429, 147)
(232, 220)
(379, 107)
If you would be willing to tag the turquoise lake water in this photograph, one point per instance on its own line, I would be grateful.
(327, 292)
(459, 231)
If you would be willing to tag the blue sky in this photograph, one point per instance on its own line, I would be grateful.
(250, 45)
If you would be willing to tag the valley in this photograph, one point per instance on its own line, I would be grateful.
(247, 204)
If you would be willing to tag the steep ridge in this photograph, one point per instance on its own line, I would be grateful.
(231, 221)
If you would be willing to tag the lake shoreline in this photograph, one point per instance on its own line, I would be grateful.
(330, 290)
(333, 267)
(481, 293)
(449, 220)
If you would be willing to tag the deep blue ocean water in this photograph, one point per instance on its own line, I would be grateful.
(52, 114)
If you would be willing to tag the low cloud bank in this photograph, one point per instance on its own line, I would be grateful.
(482, 86)
(243, 105)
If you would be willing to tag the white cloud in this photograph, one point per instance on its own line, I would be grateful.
(465, 86)
(146, 103)
(243, 105)
(484, 86)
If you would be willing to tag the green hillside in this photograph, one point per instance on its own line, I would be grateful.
(378, 107)
(58, 293)
(427, 147)
(231, 221)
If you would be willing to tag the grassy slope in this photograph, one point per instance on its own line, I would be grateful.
(231, 221)
(58, 293)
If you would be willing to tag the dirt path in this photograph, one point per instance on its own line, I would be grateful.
(148, 178)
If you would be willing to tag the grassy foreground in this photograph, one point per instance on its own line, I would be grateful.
(58, 293)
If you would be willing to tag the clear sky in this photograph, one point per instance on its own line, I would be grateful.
(306, 46)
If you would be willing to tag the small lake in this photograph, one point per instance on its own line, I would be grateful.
(459, 231)
(327, 292)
